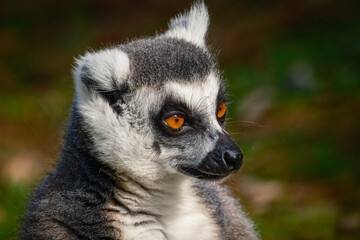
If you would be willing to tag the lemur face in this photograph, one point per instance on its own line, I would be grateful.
(188, 129)
(156, 107)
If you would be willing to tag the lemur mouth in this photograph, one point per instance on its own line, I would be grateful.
(201, 175)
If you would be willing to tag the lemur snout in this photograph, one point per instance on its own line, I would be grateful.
(233, 159)
(224, 159)
(231, 155)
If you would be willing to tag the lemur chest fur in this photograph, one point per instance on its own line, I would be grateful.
(190, 218)
(178, 215)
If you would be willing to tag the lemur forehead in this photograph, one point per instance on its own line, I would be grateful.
(197, 93)
(154, 61)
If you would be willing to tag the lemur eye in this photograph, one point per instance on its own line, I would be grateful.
(221, 110)
(175, 122)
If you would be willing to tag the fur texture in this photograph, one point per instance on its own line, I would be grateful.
(191, 26)
(124, 173)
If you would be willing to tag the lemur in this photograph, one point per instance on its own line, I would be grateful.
(145, 149)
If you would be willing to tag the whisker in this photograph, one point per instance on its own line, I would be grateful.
(200, 102)
(244, 123)
(241, 121)
(203, 110)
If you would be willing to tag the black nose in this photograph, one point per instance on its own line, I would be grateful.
(233, 159)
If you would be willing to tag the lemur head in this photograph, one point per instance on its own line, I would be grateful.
(156, 107)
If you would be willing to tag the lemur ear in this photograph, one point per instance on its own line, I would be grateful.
(101, 71)
(190, 26)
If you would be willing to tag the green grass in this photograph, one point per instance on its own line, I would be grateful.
(13, 200)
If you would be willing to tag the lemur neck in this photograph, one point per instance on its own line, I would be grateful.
(154, 200)
(77, 143)
(78, 160)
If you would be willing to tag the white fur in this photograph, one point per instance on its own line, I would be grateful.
(189, 218)
(191, 26)
(104, 66)
(181, 214)
(118, 145)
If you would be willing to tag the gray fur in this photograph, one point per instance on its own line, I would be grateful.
(228, 213)
(69, 203)
(122, 173)
(155, 60)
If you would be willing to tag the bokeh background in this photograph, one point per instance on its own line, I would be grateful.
(293, 69)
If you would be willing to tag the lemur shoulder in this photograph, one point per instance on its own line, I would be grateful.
(145, 148)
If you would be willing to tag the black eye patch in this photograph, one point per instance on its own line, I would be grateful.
(193, 120)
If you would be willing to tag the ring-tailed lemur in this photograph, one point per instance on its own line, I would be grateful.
(144, 146)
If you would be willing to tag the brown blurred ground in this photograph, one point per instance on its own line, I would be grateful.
(294, 76)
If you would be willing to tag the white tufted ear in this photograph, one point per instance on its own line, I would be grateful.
(190, 26)
(104, 70)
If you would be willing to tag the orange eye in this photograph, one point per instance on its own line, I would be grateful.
(221, 110)
(175, 122)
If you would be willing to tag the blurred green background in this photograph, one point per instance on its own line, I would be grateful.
(293, 69)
